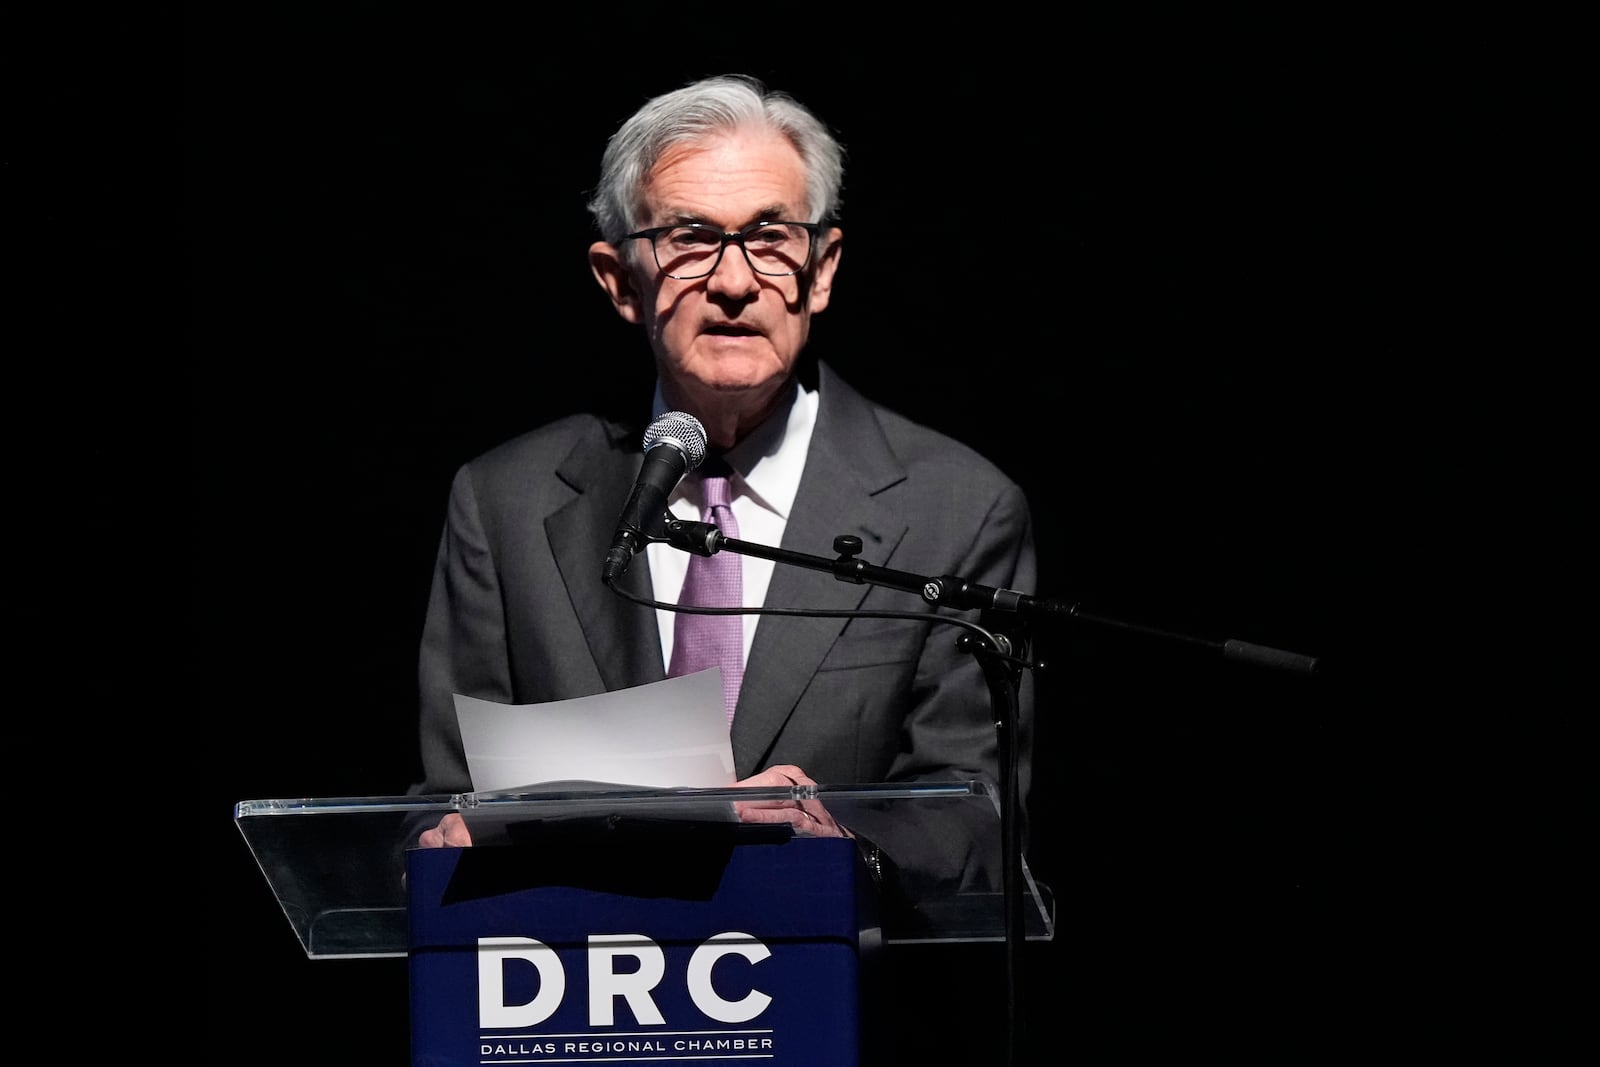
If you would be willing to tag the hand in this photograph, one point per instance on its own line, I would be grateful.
(807, 817)
(451, 832)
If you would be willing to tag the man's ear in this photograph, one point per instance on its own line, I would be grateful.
(615, 277)
(826, 265)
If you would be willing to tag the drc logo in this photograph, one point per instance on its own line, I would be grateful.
(625, 967)
(624, 970)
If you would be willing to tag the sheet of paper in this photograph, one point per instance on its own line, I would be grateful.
(666, 734)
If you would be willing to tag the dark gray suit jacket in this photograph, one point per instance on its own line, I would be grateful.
(519, 614)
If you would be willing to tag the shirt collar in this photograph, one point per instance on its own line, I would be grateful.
(768, 462)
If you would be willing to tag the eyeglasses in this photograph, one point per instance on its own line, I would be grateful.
(776, 249)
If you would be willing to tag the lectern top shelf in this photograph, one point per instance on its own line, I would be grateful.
(336, 864)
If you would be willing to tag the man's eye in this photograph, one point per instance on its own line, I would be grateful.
(766, 235)
(690, 238)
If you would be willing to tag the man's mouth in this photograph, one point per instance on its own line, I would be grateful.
(726, 330)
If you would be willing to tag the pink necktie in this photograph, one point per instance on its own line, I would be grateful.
(702, 641)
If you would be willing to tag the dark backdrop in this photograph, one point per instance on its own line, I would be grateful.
(1222, 294)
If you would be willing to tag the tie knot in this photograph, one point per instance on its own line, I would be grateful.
(715, 489)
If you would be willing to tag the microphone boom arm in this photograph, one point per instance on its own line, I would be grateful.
(704, 539)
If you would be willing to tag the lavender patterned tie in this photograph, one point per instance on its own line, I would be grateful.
(702, 641)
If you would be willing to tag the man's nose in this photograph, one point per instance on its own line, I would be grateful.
(733, 275)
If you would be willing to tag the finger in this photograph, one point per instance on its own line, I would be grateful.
(772, 776)
(793, 774)
(758, 812)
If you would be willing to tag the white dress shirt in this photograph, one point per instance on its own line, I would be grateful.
(766, 476)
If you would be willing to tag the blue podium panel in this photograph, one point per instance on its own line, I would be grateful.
(608, 949)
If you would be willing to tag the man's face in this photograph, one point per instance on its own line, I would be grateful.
(733, 336)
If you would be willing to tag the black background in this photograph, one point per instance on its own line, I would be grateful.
(1248, 304)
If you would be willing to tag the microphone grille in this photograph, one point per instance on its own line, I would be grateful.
(683, 430)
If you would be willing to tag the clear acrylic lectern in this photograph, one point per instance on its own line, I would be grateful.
(336, 865)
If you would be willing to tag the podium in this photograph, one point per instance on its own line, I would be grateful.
(639, 925)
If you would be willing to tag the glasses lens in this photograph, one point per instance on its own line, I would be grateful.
(687, 251)
(781, 248)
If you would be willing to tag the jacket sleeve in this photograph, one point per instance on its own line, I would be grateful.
(463, 639)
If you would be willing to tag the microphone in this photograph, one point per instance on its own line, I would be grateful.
(674, 445)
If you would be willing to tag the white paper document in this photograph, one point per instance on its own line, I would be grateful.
(667, 734)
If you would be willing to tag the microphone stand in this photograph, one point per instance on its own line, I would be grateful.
(1001, 665)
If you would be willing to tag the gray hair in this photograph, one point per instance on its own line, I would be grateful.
(699, 110)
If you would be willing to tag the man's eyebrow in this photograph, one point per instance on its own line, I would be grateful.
(766, 214)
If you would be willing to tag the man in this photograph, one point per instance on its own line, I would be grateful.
(715, 208)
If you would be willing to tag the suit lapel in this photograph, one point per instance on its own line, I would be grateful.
(848, 466)
(621, 636)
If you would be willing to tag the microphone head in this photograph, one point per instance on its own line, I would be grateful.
(682, 430)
